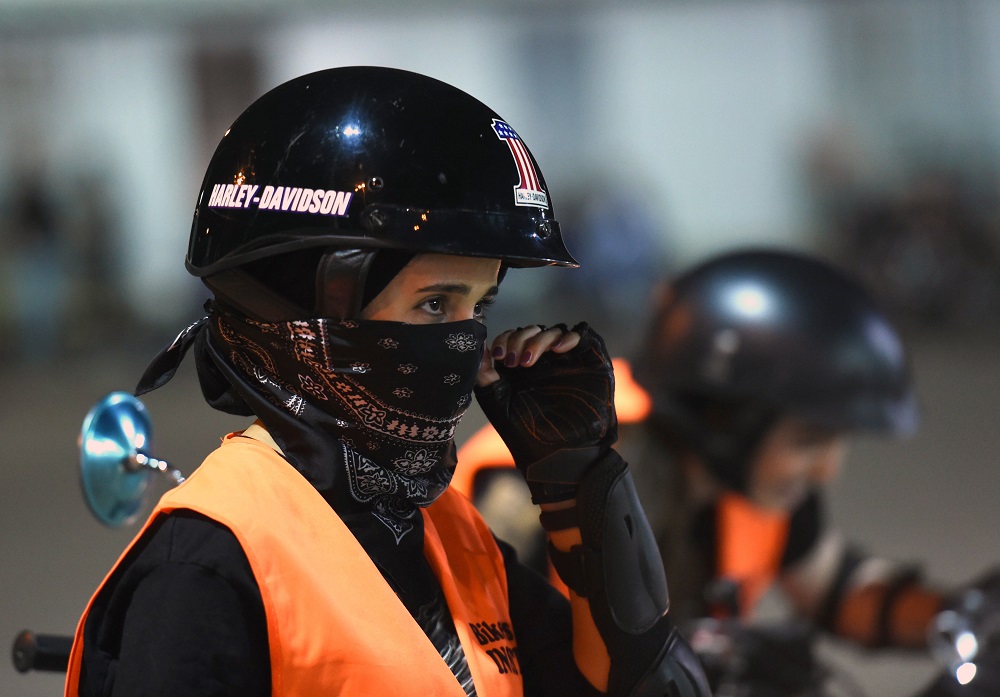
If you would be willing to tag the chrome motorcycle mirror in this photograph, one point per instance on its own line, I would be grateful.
(115, 464)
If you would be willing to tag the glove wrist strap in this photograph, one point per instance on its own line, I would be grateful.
(563, 519)
(555, 477)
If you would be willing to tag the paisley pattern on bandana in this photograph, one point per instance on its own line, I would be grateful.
(391, 393)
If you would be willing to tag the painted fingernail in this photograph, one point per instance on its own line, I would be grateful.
(526, 358)
(511, 360)
(498, 351)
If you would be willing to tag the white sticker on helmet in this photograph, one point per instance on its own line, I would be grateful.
(289, 199)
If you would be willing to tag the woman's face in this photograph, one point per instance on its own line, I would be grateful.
(437, 288)
(792, 459)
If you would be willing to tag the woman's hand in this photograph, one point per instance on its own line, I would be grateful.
(523, 347)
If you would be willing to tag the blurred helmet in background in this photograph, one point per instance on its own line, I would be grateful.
(750, 336)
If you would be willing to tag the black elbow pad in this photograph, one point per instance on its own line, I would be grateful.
(619, 571)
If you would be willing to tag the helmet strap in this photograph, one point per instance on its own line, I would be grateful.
(340, 282)
(244, 293)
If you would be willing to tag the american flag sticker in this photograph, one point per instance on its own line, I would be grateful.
(528, 191)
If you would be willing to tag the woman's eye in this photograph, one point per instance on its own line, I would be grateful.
(434, 305)
(483, 307)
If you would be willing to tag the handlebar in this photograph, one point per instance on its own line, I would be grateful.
(763, 660)
(45, 652)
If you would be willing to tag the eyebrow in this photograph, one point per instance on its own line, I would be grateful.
(460, 288)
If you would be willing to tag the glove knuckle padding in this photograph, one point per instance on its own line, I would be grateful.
(560, 412)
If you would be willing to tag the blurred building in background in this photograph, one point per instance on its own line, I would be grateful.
(867, 131)
(830, 126)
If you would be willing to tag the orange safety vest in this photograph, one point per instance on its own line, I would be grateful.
(750, 541)
(334, 625)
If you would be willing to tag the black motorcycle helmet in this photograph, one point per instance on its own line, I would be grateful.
(749, 336)
(327, 169)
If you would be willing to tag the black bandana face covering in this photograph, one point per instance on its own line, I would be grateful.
(392, 395)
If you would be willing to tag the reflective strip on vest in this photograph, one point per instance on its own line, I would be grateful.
(334, 625)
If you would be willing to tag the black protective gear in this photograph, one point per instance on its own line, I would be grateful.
(557, 417)
(362, 158)
(618, 569)
(559, 423)
(750, 336)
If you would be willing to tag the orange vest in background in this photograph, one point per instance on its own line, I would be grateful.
(750, 542)
(335, 627)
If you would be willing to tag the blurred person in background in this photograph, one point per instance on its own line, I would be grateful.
(758, 367)
(353, 226)
(37, 269)
(101, 308)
